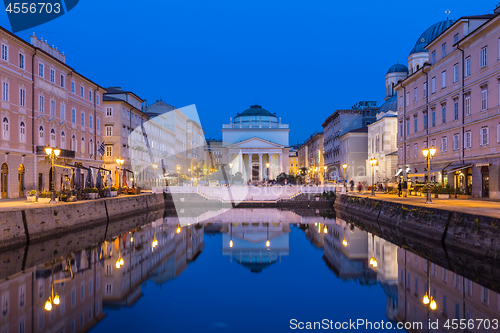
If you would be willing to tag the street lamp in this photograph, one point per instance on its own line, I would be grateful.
(154, 167)
(119, 161)
(428, 155)
(231, 171)
(373, 163)
(52, 154)
(344, 166)
(178, 174)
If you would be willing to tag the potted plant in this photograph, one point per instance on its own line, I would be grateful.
(461, 194)
(114, 191)
(31, 196)
(44, 197)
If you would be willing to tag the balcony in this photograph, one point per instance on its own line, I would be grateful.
(64, 152)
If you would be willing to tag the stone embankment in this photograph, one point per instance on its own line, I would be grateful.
(475, 234)
(28, 225)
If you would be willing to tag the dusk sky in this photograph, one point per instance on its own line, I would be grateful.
(300, 59)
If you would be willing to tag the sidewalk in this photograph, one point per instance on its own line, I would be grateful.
(470, 206)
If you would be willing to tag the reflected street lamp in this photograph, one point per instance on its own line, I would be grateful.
(428, 155)
(428, 299)
(154, 167)
(52, 154)
(178, 175)
(373, 163)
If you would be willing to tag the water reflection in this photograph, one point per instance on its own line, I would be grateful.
(111, 275)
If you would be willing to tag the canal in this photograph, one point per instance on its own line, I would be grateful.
(261, 271)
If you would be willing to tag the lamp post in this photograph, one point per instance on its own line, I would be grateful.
(119, 161)
(231, 171)
(373, 162)
(324, 174)
(428, 155)
(344, 166)
(154, 168)
(52, 154)
(178, 175)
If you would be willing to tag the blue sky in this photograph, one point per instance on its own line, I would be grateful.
(300, 59)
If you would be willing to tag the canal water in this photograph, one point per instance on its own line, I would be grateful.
(288, 272)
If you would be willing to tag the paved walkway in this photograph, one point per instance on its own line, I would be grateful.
(471, 206)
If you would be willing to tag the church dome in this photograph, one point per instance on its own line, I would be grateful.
(255, 114)
(398, 68)
(430, 34)
(390, 105)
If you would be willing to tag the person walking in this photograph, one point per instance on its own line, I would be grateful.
(405, 189)
(360, 187)
(400, 188)
(352, 185)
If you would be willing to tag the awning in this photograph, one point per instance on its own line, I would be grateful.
(453, 168)
(416, 175)
(399, 172)
(482, 164)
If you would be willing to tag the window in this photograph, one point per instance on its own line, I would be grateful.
(73, 116)
(433, 117)
(40, 69)
(82, 148)
(484, 98)
(97, 99)
(91, 147)
(433, 144)
(455, 73)
(415, 124)
(455, 109)
(498, 140)
(5, 91)
(123, 111)
(53, 108)
(433, 57)
(408, 99)
(401, 129)
(483, 57)
(5, 128)
(5, 52)
(41, 104)
(63, 111)
(456, 141)
(109, 112)
(82, 120)
(424, 90)
(415, 95)
(467, 105)
(82, 291)
(109, 151)
(443, 49)
(444, 304)
(52, 137)
(467, 66)
(415, 150)
(62, 80)
(443, 79)
(484, 136)
(22, 97)
(90, 95)
(98, 124)
(468, 139)
(21, 61)
(457, 311)
(401, 99)
(485, 296)
(425, 121)
(109, 130)
(407, 126)
(433, 85)
(91, 122)
(73, 143)
(63, 140)
(455, 39)
(82, 91)
(41, 136)
(407, 150)
(22, 132)
(73, 87)
(444, 144)
(443, 114)
(109, 289)
(52, 75)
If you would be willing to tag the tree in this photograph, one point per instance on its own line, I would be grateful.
(303, 171)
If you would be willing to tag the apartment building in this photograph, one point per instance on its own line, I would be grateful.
(310, 155)
(451, 102)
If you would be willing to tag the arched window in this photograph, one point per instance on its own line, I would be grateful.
(41, 136)
(52, 138)
(22, 132)
(73, 143)
(91, 147)
(83, 145)
(5, 129)
(63, 140)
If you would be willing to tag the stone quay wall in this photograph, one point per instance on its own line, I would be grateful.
(27, 225)
(478, 235)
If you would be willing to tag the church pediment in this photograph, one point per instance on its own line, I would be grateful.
(255, 142)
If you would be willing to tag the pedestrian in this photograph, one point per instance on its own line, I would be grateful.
(405, 189)
(360, 187)
(352, 185)
(400, 188)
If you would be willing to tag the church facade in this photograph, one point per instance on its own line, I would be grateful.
(256, 144)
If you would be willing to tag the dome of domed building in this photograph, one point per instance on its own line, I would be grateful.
(255, 114)
(389, 105)
(430, 34)
(398, 68)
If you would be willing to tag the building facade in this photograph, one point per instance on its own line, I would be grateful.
(340, 122)
(353, 151)
(293, 159)
(213, 154)
(311, 157)
(451, 102)
(256, 138)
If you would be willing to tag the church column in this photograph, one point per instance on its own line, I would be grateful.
(260, 167)
(250, 166)
(240, 162)
(270, 166)
(281, 163)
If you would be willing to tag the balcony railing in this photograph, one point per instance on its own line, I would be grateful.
(263, 125)
(40, 150)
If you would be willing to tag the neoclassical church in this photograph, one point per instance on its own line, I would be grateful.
(254, 139)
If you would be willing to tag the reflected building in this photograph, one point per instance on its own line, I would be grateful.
(349, 259)
(456, 296)
(315, 232)
(255, 246)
